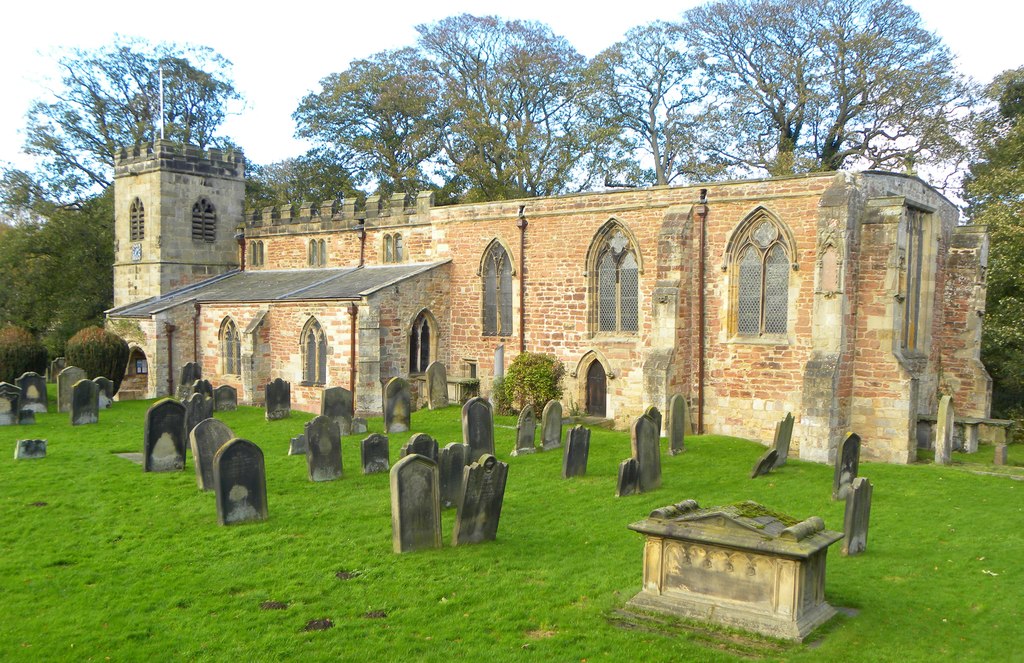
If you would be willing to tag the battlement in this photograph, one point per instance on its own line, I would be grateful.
(166, 155)
(341, 214)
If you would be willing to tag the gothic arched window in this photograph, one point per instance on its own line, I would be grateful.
(496, 272)
(314, 353)
(419, 343)
(393, 250)
(230, 348)
(760, 253)
(204, 221)
(614, 281)
(137, 221)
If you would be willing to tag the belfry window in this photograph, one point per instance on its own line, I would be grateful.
(204, 221)
(137, 221)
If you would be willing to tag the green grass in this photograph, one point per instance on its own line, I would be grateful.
(130, 566)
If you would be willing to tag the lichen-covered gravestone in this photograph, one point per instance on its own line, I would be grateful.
(526, 432)
(278, 399)
(944, 431)
(225, 398)
(106, 393)
(198, 407)
(480, 500)
(421, 444)
(450, 462)
(478, 428)
(647, 451)
(374, 454)
(577, 450)
(765, 464)
(66, 381)
(85, 403)
(323, 449)
(628, 482)
(847, 466)
(336, 404)
(397, 406)
(437, 386)
(29, 449)
(297, 445)
(783, 437)
(551, 426)
(33, 392)
(189, 373)
(858, 513)
(415, 504)
(655, 415)
(10, 400)
(163, 441)
(240, 482)
(203, 386)
(675, 424)
(205, 439)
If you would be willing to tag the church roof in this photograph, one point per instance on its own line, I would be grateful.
(273, 285)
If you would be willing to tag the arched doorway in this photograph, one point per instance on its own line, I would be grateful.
(597, 389)
(136, 376)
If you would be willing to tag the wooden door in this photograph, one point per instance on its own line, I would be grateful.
(597, 389)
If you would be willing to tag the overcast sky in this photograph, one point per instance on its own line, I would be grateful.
(281, 55)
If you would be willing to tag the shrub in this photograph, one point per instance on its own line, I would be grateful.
(20, 352)
(500, 398)
(533, 379)
(98, 352)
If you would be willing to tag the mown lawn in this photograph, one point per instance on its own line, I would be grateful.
(99, 561)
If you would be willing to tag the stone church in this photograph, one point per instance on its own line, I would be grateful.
(852, 300)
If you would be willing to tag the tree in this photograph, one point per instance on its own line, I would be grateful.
(313, 177)
(825, 84)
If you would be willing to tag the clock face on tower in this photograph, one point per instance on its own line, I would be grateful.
(136, 252)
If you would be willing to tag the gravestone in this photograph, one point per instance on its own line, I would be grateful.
(163, 440)
(478, 428)
(765, 464)
(358, 425)
(323, 449)
(944, 431)
(629, 478)
(415, 504)
(1000, 457)
(29, 449)
(858, 513)
(10, 404)
(526, 432)
(106, 393)
(56, 366)
(675, 425)
(205, 439)
(225, 398)
(375, 454)
(480, 500)
(421, 444)
(397, 406)
(187, 376)
(33, 392)
(198, 407)
(297, 445)
(655, 415)
(240, 483)
(26, 417)
(647, 450)
(450, 462)
(577, 449)
(336, 404)
(203, 387)
(85, 403)
(783, 436)
(437, 386)
(66, 380)
(551, 426)
(278, 399)
(847, 466)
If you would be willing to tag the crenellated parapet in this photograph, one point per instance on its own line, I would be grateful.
(188, 159)
(375, 211)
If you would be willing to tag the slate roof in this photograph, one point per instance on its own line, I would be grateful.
(273, 285)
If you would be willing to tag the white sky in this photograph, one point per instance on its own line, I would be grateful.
(280, 55)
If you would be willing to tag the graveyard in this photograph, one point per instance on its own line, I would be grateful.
(104, 561)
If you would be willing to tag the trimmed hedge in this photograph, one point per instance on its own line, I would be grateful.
(532, 379)
(98, 352)
(20, 352)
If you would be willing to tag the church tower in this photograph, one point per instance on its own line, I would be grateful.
(176, 209)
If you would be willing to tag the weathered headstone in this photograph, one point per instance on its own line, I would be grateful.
(66, 380)
(10, 401)
(202, 386)
(27, 449)
(163, 441)
(56, 366)
(278, 399)
(944, 431)
(655, 415)
(577, 450)
(358, 425)
(450, 462)
(847, 466)
(480, 500)
(240, 482)
(106, 393)
(647, 451)
(415, 504)
(421, 444)
(26, 417)
(526, 432)
(375, 454)
(858, 513)
(205, 439)
(437, 386)
(323, 449)
(397, 406)
(189, 373)
(783, 436)
(629, 478)
(297, 445)
(675, 425)
(478, 428)
(336, 404)
(85, 403)
(198, 408)
(1000, 456)
(225, 398)
(765, 464)
(551, 426)
(33, 392)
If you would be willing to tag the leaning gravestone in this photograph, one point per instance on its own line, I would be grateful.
(783, 436)
(480, 500)
(647, 451)
(106, 393)
(397, 406)
(551, 426)
(85, 403)
(847, 466)
(10, 400)
(437, 386)
(336, 404)
(478, 428)
(629, 478)
(163, 441)
(33, 392)
(28, 449)
(526, 432)
(189, 373)
(67, 379)
(323, 449)
(278, 399)
(450, 462)
(765, 464)
(198, 407)
(374, 454)
(655, 415)
(577, 449)
(203, 387)
(240, 482)
(858, 513)
(944, 431)
(56, 366)
(675, 425)
(297, 445)
(415, 504)
(225, 398)
(205, 439)
(421, 444)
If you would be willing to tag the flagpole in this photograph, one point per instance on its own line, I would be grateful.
(161, 102)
